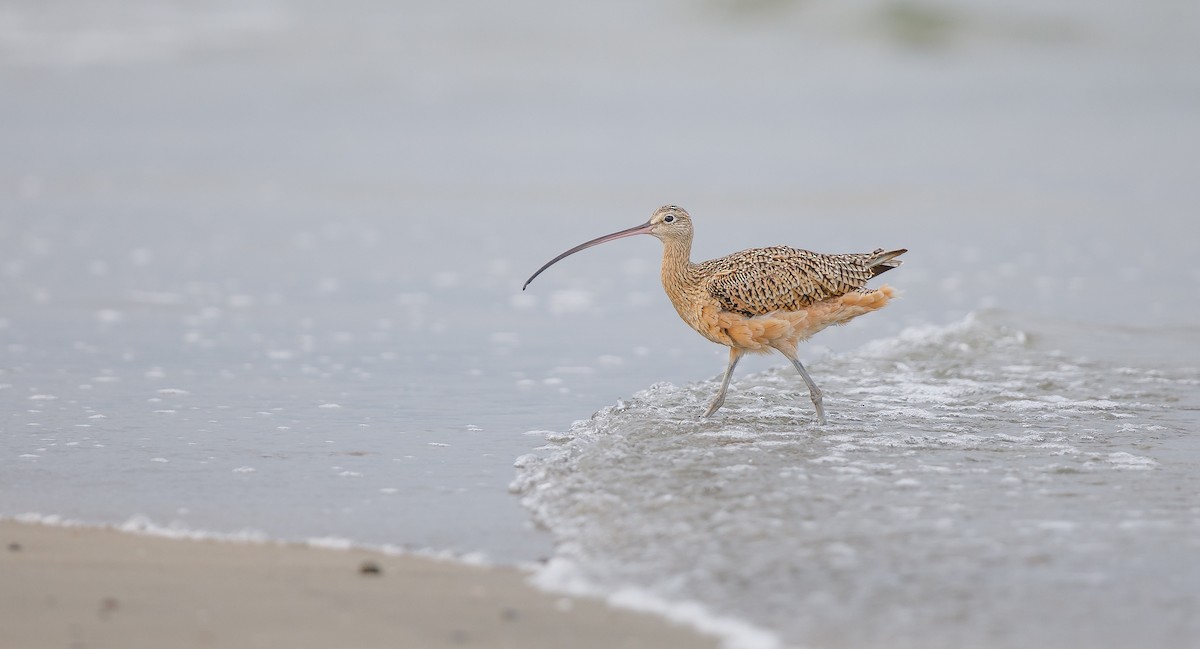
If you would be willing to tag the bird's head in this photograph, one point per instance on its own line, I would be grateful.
(670, 222)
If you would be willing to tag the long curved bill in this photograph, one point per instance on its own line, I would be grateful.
(644, 228)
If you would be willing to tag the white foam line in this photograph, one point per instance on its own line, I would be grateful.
(560, 576)
(144, 526)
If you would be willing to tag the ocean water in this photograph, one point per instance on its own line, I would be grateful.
(260, 270)
(974, 488)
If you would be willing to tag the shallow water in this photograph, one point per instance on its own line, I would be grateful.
(973, 488)
(260, 267)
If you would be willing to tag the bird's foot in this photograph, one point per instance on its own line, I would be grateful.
(816, 399)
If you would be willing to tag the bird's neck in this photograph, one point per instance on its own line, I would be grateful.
(678, 271)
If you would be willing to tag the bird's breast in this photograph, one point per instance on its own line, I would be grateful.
(702, 314)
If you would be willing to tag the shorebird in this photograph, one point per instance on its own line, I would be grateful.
(761, 299)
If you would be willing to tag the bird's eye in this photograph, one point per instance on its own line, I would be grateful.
(670, 218)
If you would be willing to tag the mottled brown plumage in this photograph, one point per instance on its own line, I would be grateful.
(760, 299)
(760, 280)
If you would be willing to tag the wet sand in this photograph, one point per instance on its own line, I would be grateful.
(88, 587)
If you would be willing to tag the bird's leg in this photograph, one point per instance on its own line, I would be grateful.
(813, 391)
(734, 356)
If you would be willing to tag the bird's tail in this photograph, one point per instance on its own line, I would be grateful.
(882, 262)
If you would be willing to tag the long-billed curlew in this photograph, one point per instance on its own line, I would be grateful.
(759, 299)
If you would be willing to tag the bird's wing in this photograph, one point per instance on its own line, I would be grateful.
(762, 280)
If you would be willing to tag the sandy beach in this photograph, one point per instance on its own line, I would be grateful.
(89, 587)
